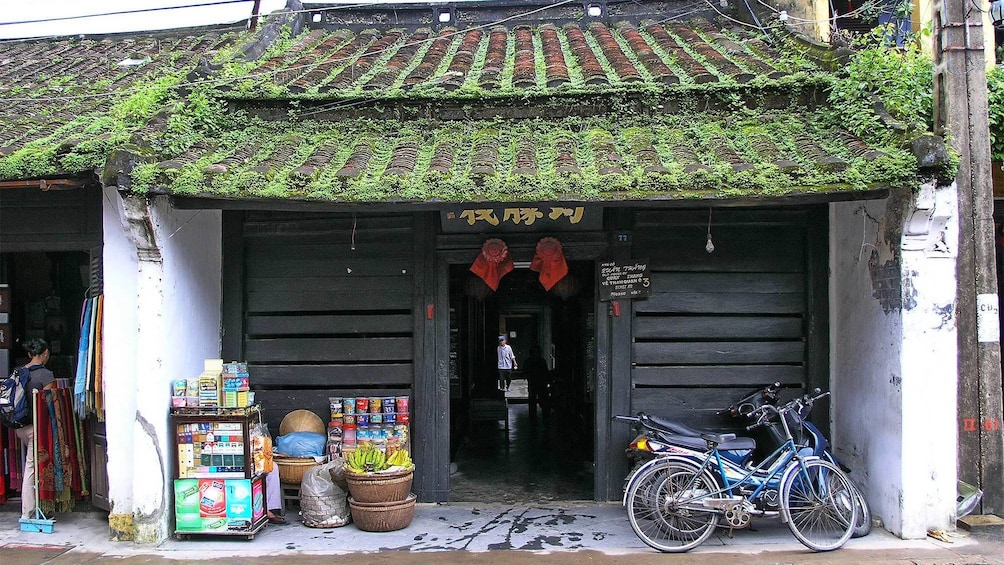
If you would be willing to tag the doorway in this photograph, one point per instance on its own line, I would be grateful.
(533, 442)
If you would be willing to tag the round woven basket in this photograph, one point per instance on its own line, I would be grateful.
(301, 421)
(384, 516)
(379, 487)
(291, 469)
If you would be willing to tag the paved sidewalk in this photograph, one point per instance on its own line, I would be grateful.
(562, 533)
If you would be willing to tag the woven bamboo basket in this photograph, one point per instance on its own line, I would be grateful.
(382, 516)
(291, 469)
(379, 487)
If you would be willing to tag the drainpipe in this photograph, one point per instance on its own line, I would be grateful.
(150, 464)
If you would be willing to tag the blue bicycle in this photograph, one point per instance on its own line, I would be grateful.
(676, 501)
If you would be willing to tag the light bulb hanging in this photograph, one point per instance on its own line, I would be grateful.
(353, 246)
(709, 247)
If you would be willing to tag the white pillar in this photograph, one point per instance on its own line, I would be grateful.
(175, 299)
(120, 269)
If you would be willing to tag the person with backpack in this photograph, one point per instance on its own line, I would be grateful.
(40, 379)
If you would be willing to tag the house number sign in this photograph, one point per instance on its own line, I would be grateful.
(988, 323)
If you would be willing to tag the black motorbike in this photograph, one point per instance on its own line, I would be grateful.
(659, 436)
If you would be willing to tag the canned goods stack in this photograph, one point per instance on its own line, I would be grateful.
(382, 421)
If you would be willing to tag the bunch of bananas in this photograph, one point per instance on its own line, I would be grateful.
(366, 459)
(400, 458)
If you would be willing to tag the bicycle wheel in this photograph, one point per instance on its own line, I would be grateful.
(817, 501)
(658, 511)
(863, 526)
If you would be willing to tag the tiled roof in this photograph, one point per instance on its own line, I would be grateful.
(499, 59)
(67, 105)
(83, 94)
(697, 156)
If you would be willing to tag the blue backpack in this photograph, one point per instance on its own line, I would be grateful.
(15, 398)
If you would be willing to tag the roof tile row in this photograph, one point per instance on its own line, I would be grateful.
(304, 157)
(521, 58)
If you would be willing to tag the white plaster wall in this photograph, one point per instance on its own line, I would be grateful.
(865, 350)
(163, 315)
(119, 356)
(894, 372)
(188, 332)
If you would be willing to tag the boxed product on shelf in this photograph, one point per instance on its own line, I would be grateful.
(214, 505)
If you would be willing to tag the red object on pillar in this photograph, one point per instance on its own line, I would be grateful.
(549, 261)
(617, 308)
(430, 311)
(493, 263)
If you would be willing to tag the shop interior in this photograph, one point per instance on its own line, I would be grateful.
(45, 294)
(534, 441)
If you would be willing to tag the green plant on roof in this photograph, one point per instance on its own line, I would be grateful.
(902, 78)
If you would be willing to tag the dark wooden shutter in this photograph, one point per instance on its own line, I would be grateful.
(718, 324)
(321, 318)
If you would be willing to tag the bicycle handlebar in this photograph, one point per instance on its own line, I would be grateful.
(764, 412)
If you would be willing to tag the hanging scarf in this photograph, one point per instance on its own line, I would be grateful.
(5, 445)
(549, 261)
(99, 386)
(493, 263)
(45, 471)
(79, 433)
(57, 447)
(80, 384)
(13, 458)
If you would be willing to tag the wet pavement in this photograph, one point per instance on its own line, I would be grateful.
(509, 505)
(468, 533)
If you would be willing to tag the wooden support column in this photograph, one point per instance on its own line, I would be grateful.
(619, 318)
(431, 424)
(961, 109)
(233, 285)
(817, 310)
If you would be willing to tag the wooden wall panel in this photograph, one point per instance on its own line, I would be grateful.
(717, 325)
(328, 307)
(54, 220)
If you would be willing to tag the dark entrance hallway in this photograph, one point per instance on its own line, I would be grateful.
(534, 442)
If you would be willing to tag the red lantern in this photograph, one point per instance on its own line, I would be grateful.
(549, 261)
(493, 263)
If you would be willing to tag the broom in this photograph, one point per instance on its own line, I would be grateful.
(39, 523)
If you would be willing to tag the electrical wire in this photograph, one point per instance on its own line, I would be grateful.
(865, 6)
(261, 74)
(123, 12)
(340, 105)
(182, 7)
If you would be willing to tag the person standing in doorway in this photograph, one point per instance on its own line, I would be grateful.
(507, 362)
(538, 378)
(41, 379)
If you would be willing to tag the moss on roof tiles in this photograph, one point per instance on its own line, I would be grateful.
(197, 145)
(516, 161)
(68, 120)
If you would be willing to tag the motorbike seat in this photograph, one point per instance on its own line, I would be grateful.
(684, 435)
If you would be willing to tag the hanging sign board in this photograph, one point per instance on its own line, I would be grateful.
(506, 218)
(618, 281)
